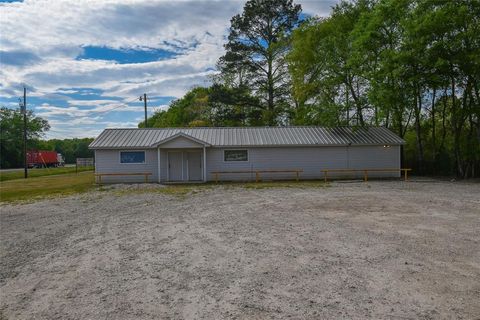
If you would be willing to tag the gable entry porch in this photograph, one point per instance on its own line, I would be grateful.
(181, 158)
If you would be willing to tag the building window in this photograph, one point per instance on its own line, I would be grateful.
(132, 157)
(236, 155)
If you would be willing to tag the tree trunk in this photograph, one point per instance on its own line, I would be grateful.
(270, 106)
(471, 145)
(397, 121)
(357, 104)
(348, 106)
(457, 131)
(418, 131)
(387, 119)
(434, 133)
(444, 127)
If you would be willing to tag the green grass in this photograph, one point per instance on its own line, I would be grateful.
(12, 175)
(46, 186)
(71, 183)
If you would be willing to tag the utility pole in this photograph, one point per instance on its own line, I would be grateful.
(24, 111)
(145, 104)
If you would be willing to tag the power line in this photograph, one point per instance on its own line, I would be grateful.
(125, 104)
(117, 107)
(97, 112)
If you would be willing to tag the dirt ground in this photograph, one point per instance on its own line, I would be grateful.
(381, 250)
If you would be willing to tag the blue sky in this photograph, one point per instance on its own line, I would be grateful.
(86, 65)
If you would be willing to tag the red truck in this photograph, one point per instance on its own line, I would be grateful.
(43, 158)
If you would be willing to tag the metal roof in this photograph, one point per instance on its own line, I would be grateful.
(248, 136)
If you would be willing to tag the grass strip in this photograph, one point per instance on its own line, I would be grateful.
(32, 173)
(46, 186)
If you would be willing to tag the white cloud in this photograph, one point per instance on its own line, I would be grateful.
(43, 39)
(46, 110)
(84, 128)
(320, 8)
(116, 24)
(194, 28)
(91, 102)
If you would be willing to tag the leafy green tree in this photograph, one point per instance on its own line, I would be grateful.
(186, 111)
(233, 106)
(409, 65)
(379, 52)
(412, 66)
(217, 105)
(327, 86)
(11, 135)
(255, 53)
(449, 35)
(377, 43)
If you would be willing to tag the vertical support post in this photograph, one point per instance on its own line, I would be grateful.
(216, 177)
(168, 166)
(183, 167)
(325, 173)
(257, 176)
(158, 164)
(145, 104)
(205, 164)
(297, 175)
(406, 174)
(365, 175)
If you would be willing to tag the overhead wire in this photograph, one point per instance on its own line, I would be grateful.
(125, 104)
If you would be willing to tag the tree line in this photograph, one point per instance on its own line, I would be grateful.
(411, 66)
(11, 139)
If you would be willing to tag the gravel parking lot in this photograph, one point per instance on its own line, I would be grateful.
(382, 250)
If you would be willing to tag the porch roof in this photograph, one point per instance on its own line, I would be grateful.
(178, 135)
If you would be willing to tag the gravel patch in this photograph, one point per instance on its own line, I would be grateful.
(382, 250)
(133, 186)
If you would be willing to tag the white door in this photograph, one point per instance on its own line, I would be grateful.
(194, 166)
(175, 164)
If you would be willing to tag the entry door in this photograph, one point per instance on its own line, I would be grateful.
(194, 166)
(175, 163)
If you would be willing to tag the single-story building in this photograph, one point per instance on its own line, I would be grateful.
(198, 154)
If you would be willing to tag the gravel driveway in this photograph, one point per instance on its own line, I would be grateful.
(382, 250)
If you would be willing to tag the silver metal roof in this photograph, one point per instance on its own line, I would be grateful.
(248, 136)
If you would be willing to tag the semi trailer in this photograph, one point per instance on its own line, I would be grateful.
(44, 158)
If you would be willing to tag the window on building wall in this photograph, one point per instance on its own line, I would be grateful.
(236, 155)
(132, 157)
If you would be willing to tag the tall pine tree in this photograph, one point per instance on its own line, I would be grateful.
(256, 50)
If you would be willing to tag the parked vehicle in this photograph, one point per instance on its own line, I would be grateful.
(44, 158)
(61, 161)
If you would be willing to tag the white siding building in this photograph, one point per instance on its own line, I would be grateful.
(194, 154)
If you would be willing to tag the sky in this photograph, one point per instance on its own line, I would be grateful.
(85, 63)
